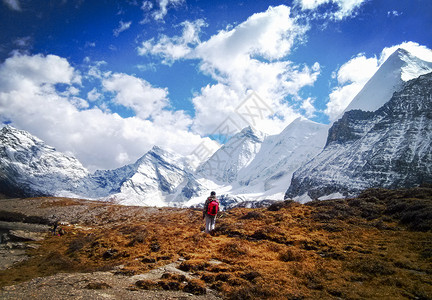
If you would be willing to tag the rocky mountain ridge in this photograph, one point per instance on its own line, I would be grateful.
(389, 148)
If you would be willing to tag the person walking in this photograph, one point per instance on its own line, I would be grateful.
(211, 208)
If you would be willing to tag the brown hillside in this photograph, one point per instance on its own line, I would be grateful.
(376, 246)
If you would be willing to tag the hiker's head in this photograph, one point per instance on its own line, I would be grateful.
(213, 193)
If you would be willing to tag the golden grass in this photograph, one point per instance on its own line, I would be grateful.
(350, 249)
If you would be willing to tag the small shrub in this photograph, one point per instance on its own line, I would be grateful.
(98, 286)
(170, 285)
(138, 238)
(208, 278)
(57, 260)
(223, 277)
(193, 265)
(175, 277)
(370, 266)
(146, 284)
(234, 249)
(292, 255)
(253, 215)
(195, 287)
(280, 204)
(250, 276)
(79, 243)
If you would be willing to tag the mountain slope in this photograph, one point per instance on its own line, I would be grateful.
(391, 147)
(225, 164)
(399, 67)
(29, 167)
(280, 155)
(157, 177)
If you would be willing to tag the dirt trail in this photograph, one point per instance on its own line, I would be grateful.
(100, 285)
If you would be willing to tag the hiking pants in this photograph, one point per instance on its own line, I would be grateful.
(210, 223)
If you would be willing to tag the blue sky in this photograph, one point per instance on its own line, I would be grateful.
(107, 80)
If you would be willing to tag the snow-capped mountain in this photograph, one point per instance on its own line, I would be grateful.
(391, 147)
(159, 178)
(280, 155)
(252, 166)
(399, 67)
(376, 142)
(225, 164)
(29, 167)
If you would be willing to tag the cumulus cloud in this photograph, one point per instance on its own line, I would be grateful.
(24, 70)
(308, 107)
(345, 8)
(136, 94)
(351, 78)
(249, 56)
(30, 100)
(122, 27)
(177, 47)
(252, 56)
(93, 95)
(353, 75)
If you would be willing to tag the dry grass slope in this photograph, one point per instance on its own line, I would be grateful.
(376, 246)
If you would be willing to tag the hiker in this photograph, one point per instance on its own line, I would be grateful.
(211, 208)
(54, 227)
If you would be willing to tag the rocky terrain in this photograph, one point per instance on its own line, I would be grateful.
(375, 246)
(388, 148)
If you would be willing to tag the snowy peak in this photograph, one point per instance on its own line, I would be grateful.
(252, 134)
(390, 148)
(236, 154)
(412, 66)
(158, 173)
(31, 167)
(280, 155)
(399, 67)
(20, 139)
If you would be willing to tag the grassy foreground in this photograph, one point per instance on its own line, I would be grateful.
(376, 246)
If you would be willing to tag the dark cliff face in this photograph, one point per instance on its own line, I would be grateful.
(391, 147)
(350, 127)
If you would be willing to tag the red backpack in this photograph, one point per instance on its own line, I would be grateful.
(213, 208)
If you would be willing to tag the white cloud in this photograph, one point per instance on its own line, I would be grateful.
(252, 56)
(177, 47)
(93, 95)
(249, 56)
(163, 8)
(354, 74)
(309, 108)
(122, 27)
(137, 94)
(23, 70)
(100, 139)
(345, 8)
(393, 13)
(13, 4)
(416, 49)
(158, 13)
(351, 77)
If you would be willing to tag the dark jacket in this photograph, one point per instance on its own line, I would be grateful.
(206, 204)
